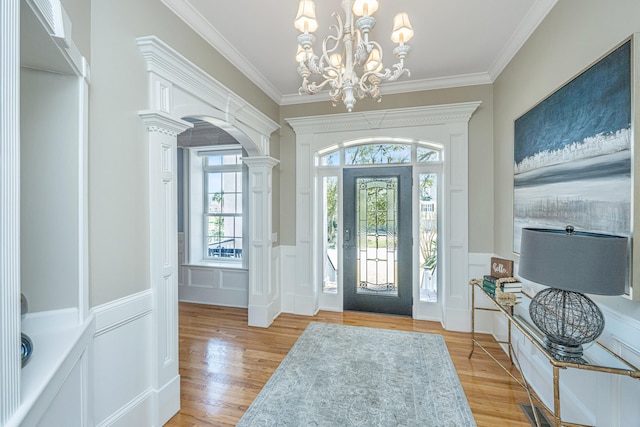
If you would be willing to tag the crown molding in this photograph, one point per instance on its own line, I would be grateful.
(536, 14)
(185, 11)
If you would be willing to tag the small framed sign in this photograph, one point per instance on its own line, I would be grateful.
(501, 267)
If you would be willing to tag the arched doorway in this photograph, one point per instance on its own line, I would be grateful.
(179, 89)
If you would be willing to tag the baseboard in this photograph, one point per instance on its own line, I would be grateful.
(168, 401)
(428, 319)
(260, 316)
(457, 320)
(138, 412)
(305, 305)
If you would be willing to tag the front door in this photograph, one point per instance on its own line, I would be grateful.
(377, 240)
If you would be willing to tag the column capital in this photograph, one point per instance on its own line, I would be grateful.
(260, 162)
(157, 121)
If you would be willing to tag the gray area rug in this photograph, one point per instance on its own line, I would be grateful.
(338, 375)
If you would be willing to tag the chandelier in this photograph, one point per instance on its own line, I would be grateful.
(356, 70)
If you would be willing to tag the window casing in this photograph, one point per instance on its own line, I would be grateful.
(222, 212)
(216, 206)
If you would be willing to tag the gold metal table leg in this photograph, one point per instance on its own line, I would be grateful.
(556, 397)
(473, 319)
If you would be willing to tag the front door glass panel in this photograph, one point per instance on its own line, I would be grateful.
(377, 230)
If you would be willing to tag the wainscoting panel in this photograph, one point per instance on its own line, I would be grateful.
(235, 280)
(287, 277)
(122, 373)
(215, 285)
(203, 278)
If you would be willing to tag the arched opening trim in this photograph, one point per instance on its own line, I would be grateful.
(178, 88)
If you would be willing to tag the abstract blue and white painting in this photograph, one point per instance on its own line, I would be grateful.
(572, 154)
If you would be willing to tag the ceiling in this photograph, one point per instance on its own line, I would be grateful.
(456, 42)
(204, 134)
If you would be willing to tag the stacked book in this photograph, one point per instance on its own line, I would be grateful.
(513, 287)
(489, 284)
(505, 285)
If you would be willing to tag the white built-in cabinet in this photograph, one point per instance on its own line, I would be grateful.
(47, 135)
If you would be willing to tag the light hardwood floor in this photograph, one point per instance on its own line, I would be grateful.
(224, 363)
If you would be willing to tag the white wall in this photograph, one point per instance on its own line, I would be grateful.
(49, 201)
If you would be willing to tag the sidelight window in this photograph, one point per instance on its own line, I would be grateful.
(428, 240)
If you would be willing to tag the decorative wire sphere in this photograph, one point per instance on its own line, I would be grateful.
(567, 318)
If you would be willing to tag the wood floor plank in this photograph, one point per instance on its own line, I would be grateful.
(224, 363)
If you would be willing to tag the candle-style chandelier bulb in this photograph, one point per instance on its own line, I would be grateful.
(365, 7)
(306, 21)
(402, 29)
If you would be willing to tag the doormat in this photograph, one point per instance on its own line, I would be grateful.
(542, 417)
(337, 375)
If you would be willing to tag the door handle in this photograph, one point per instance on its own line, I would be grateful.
(347, 239)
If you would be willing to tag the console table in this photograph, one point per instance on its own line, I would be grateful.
(596, 357)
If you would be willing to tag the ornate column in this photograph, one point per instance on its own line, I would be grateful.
(163, 259)
(264, 297)
(9, 208)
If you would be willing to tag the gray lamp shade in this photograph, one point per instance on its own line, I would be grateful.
(580, 262)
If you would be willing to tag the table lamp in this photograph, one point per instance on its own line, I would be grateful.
(572, 263)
